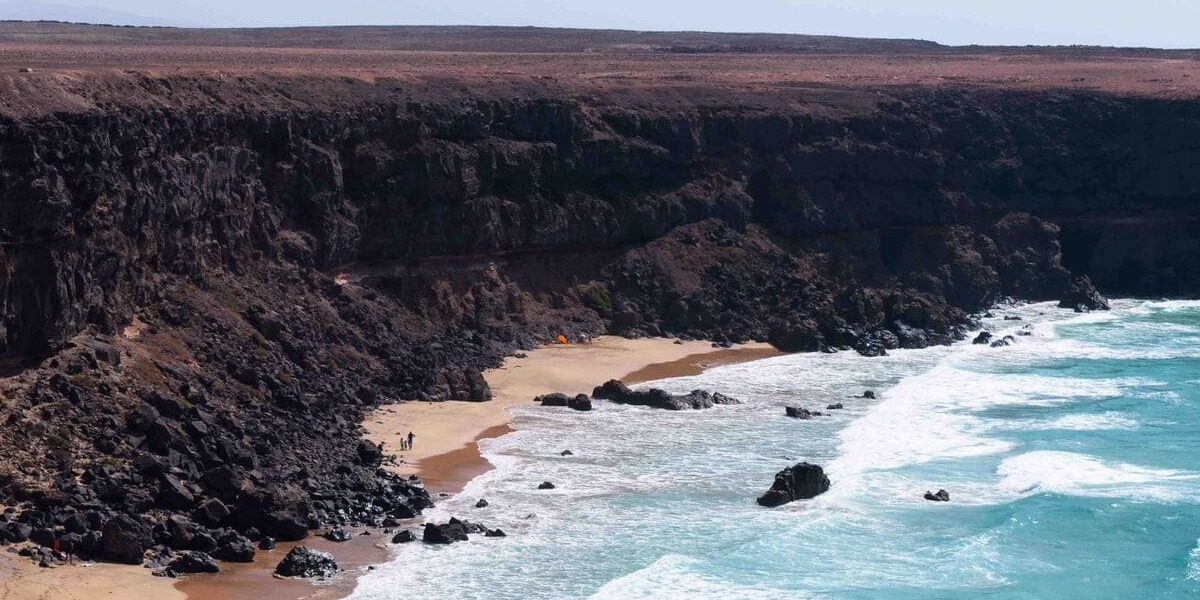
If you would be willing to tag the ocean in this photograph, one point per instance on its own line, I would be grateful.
(1072, 459)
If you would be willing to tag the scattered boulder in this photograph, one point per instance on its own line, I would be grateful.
(495, 533)
(446, 533)
(1004, 341)
(799, 482)
(799, 412)
(566, 453)
(404, 536)
(545, 485)
(337, 534)
(940, 496)
(869, 395)
(194, 562)
(835, 406)
(984, 337)
(266, 543)
(307, 563)
(481, 504)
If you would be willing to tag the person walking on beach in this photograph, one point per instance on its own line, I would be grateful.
(410, 439)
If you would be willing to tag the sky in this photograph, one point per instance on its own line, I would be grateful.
(1154, 23)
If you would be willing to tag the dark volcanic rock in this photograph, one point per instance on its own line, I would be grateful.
(404, 536)
(495, 533)
(1081, 295)
(266, 543)
(1007, 340)
(194, 562)
(545, 485)
(307, 563)
(235, 548)
(835, 406)
(799, 412)
(337, 534)
(125, 540)
(798, 482)
(869, 395)
(618, 392)
(940, 496)
(446, 533)
(580, 402)
(481, 504)
(983, 338)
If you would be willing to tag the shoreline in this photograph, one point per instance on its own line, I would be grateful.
(446, 456)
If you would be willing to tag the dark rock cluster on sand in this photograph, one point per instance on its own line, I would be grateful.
(798, 482)
(616, 391)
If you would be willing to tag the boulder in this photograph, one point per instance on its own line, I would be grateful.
(235, 548)
(868, 395)
(545, 485)
(337, 534)
(125, 540)
(579, 402)
(835, 406)
(481, 504)
(799, 412)
(369, 453)
(798, 482)
(940, 496)
(194, 562)
(1004, 341)
(211, 513)
(305, 562)
(446, 533)
(266, 543)
(404, 536)
(495, 533)
(1082, 296)
(616, 391)
(984, 337)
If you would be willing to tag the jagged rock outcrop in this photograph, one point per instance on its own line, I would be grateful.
(616, 391)
(799, 482)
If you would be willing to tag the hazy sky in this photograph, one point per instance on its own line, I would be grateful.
(1161, 23)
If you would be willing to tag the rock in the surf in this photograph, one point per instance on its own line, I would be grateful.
(580, 402)
(939, 496)
(799, 482)
(307, 563)
(984, 337)
(404, 536)
(1082, 296)
(799, 412)
(1004, 341)
(482, 503)
(445, 533)
(835, 406)
(616, 391)
(868, 395)
(545, 485)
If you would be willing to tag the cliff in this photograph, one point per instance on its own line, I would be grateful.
(206, 283)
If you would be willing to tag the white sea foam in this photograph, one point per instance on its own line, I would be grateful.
(1083, 422)
(675, 576)
(1083, 475)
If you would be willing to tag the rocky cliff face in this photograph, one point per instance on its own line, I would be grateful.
(221, 292)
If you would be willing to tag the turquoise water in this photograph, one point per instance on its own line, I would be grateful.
(1072, 459)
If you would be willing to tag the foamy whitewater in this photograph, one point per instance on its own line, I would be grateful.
(1072, 459)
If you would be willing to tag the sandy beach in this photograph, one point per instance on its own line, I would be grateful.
(445, 453)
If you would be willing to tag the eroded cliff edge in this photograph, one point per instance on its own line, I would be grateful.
(201, 299)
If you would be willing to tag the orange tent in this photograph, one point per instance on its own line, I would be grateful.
(561, 339)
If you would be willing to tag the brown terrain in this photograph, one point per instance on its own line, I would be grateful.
(223, 249)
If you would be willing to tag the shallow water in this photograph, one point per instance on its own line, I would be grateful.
(1071, 458)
